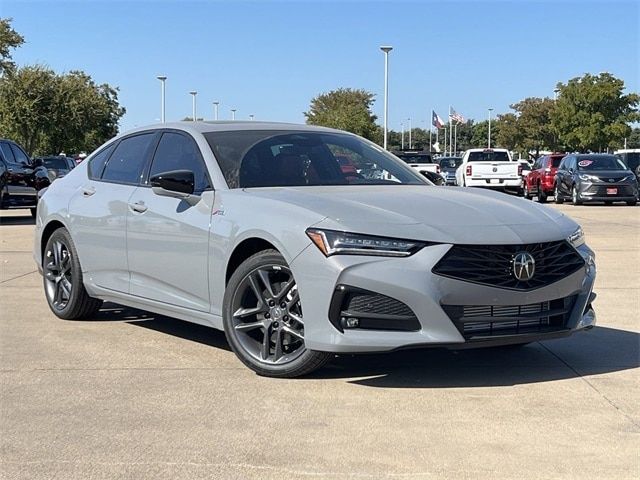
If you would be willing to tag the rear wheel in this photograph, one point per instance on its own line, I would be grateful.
(556, 193)
(263, 318)
(574, 196)
(62, 278)
(542, 196)
(525, 191)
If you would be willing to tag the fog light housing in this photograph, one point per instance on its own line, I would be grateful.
(350, 322)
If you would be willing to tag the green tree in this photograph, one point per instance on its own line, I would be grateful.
(49, 113)
(509, 134)
(633, 140)
(534, 124)
(593, 112)
(9, 39)
(346, 109)
(481, 133)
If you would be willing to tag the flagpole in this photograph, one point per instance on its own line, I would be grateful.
(430, 131)
(445, 141)
(455, 138)
(450, 132)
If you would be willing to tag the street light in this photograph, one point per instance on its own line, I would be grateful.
(233, 114)
(215, 110)
(386, 49)
(402, 136)
(193, 98)
(251, 117)
(489, 134)
(410, 143)
(162, 79)
(555, 94)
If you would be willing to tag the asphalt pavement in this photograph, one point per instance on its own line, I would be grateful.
(129, 395)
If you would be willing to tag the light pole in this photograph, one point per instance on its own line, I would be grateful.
(410, 143)
(402, 136)
(251, 117)
(386, 49)
(215, 110)
(193, 98)
(162, 79)
(233, 114)
(489, 134)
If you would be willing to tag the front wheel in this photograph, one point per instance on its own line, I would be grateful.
(525, 191)
(542, 196)
(556, 193)
(574, 196)
(263, 319)
(63, 286)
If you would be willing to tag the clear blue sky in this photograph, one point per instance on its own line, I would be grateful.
(270, 58)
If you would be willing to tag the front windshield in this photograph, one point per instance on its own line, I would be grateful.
(452, 162)
(267, 158)
(57, 163)
(600, 163)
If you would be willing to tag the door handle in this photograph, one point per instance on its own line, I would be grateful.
(138, 207)
(88, 191)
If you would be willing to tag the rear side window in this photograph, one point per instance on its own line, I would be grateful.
(555, 162)
(97, 163)
(127, 161)
(7, 153)
(20, 156)
(179, 152)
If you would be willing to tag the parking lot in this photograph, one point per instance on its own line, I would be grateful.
(131, 395)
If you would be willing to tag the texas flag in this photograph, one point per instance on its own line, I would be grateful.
(436, 121)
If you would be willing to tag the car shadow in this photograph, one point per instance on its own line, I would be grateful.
(111, 312)
(601, 350)
(22, 220)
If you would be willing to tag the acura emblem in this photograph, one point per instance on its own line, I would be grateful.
(524, 266)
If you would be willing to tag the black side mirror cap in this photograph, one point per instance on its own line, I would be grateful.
(180, 181)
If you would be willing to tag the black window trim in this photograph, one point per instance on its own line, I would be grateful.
(146, 171)
(151, 148)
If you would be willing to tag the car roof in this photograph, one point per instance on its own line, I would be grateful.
(227, 126)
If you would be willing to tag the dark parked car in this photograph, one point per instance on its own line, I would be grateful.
(20, 179)
(448, 167)
(57, 166)
(540, 182)
(631, 159)
(595, 178)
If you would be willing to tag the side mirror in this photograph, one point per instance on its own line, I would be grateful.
(176, 184)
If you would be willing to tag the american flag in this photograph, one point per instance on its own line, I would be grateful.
(436, 121)
(456, 116)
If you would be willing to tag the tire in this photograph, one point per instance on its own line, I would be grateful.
(263, 322)
(62, 278)
(556, 194)
(525, 191)
(34, 211)
(632, 203)
(542, 197)
(574, 196)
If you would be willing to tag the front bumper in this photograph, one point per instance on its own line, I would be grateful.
(410, 281)
(597, 192)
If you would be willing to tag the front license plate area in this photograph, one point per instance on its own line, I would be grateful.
(612, 191)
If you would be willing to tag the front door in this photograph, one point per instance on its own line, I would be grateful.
(167, 238)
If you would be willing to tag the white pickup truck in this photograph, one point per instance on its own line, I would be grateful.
(491, 168)
(419, 161)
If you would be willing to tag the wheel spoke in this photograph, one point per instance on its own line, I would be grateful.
(286, 288)
(295, 298)
(296, 317)
(247, 312)
(293, 332)
(266, 343)
(57, 295)
(264, 277)
(65, 285)
(257, 291)
(277, 351)
(245, 327)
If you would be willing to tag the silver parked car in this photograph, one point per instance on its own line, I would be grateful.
(254, 228)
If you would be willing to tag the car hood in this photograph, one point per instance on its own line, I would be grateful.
(438, 214)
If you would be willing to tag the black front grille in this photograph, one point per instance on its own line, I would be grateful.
(601, 190)
(492, 264)
(479, 321)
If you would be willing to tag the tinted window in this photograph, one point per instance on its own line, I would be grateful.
(488, 157)
(7, 153)
(413, 158)
(284, 158)
(601, 163)
(555, 161)
(632, 159)
(96, 165)
(20, 156)
(179, 152)
(58, 163)
(128, 159)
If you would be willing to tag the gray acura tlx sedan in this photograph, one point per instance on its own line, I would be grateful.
(255, 229)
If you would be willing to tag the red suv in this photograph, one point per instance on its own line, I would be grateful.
(540, 181)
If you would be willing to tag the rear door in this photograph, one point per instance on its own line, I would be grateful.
(99, 209)
(167, 238)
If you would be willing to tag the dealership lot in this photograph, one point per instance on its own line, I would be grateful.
(132, 395)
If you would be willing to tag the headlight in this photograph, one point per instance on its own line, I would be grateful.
(331, 242)
(629, 178)
(589, 178)
(576, 238)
